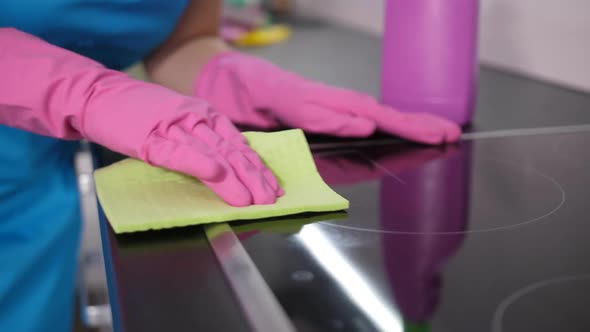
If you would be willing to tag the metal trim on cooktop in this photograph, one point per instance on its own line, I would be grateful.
(257, 301)
(466, 136)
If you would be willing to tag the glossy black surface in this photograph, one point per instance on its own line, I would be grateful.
(170, 281)
(490, 235)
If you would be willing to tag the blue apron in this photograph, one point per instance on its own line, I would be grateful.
(39, 211)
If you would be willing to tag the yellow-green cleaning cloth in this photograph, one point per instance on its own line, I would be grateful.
(138, 197)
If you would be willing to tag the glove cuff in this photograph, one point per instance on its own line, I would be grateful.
(201, 82)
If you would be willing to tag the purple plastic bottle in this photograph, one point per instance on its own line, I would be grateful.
(430, 57)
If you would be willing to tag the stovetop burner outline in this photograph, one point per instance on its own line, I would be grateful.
(505, 304)
(493, 229)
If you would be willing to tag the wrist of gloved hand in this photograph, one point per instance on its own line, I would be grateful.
(221, 82)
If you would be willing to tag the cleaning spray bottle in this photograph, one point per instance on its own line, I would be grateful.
(429, 59)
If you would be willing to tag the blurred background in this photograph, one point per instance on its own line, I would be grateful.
(544, 39)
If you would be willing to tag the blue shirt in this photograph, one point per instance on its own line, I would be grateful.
(116, 33)
(39, 212)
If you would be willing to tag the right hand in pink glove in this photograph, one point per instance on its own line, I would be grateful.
(255, 92)
(54, 92)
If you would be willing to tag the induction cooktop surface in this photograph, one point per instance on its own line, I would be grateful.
(487, 235)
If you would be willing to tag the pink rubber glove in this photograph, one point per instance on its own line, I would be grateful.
(54, 92)
(254, 92)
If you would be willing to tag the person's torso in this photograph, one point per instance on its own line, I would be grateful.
(116, 33)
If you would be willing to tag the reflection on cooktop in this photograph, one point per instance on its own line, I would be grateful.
(436, 239)
(169, 280)
(440, 187)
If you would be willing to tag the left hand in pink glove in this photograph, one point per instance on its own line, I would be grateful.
(254, 92)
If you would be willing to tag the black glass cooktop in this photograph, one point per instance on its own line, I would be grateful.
(168, 281)
(488, 235)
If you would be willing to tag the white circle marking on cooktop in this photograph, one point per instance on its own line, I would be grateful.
(491, 229)
(504, 305)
